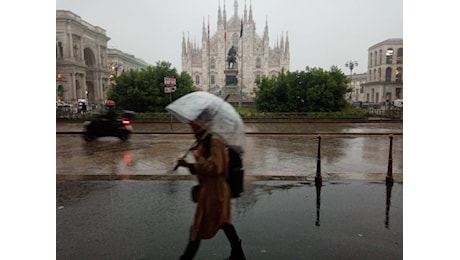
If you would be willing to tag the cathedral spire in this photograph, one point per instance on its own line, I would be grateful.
(184, 47)
(204, 36)
(250, 11)
(245, 13)
(219, 16)
(225, 16)
(282, 41)
(266, 29)
(287, 45)
(235, 6)
(189, 44)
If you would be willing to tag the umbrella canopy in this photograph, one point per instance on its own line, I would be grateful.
(213, 113)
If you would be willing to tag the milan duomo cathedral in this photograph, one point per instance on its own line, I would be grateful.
(254, 57)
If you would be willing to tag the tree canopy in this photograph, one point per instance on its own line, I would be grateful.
(312, 90)
(143, 90)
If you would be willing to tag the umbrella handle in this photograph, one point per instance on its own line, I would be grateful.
(195, 144)
(177, 164)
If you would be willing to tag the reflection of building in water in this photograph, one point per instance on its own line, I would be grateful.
(206, 64)
(375, 152)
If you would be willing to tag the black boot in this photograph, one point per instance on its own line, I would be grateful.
(235, 242)
(237, 252)
(191, 250)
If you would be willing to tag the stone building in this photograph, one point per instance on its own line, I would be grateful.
(119, 61)
(206, 63)
(81, 59)
(84, 64)
(385, 72)
(357, 83)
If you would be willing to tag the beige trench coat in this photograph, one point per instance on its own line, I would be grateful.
(213, 206)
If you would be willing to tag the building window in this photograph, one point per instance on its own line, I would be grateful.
(399, 75)
(398, 92)
(59, 50)
(399, 56)
(197, 80)
(213, 63)
(258, 63)
(389, 55)
(375, 58)
(380, 57)
(388, 75)
(213, 79)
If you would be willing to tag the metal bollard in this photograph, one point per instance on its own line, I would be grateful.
(389, 178)
(387, 208)
(318, 178)
(318, 204)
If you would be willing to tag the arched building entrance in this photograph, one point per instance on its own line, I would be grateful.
(90, 62)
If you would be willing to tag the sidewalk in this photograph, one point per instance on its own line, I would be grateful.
(150, 219)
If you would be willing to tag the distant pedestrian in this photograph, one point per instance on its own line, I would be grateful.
(213, 200)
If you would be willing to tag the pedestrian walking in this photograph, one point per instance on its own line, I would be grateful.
(213, 206)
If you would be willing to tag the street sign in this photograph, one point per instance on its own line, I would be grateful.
(169, 80)
(170, 89)
(170, 84)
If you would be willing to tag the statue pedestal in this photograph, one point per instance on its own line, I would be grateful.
(230, 72)
(230, 77)
(231, 87)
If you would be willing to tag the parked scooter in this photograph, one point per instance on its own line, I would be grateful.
(109, 125)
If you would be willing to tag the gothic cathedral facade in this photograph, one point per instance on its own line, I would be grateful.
(255, 57)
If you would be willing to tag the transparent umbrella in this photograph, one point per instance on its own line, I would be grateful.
(217, 116)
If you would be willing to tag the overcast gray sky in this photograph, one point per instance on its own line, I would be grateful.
(322, 33)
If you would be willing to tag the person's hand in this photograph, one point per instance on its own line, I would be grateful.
(182, 162)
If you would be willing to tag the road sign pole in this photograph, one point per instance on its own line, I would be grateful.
(169, 83)
(170, 115)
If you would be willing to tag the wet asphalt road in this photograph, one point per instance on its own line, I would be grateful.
(357, 156)
(275, 219)
(116, 216)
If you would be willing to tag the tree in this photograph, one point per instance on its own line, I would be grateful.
(143, 90)
(313, 90)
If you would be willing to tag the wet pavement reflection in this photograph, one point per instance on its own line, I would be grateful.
(134, 219)
(274, 154)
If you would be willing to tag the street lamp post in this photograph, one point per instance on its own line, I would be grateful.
(351, 65)
(115, 67)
